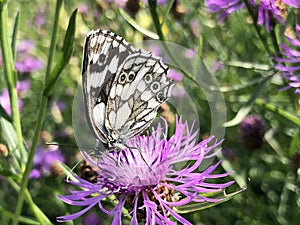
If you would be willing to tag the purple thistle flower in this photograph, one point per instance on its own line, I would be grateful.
(224, 7)
(269, 10)
(150, 195)
(44, 160)
(291, 54)
(293, 3)
(252, 131)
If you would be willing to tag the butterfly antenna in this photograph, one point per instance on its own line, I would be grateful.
(61, 145)
(72, 169)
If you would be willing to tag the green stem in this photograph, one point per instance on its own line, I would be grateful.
(10, 75)
(258, 29)
(40, 216)
(28, 169)
(54, 37)
(152, 7)
(40, 121)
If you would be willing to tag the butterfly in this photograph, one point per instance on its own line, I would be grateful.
(123, 88)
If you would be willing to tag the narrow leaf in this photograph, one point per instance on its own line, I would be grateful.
(8, 134)
(243, 112)
(63, 56)
(137, 26)
(196, 206)
(287, 115)
(294, 143)
(14, 34)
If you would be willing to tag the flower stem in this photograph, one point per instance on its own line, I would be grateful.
(258, 29)
(39, 124)
(152, 7)
(10, 74)
(54, 37)
(40, 216)
(25, 177)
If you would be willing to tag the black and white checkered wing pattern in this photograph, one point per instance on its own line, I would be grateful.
(139, 88)
(104, 53)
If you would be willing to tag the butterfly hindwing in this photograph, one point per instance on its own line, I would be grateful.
(139, 88)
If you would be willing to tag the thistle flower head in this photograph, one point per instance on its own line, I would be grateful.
(289, 63)
(252, 131)
(150, 194)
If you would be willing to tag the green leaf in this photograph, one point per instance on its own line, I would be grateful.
(137, 26)
(294, 143)
(167, 11)
(63, 56)
(8, 134)
(196, 206)
(289, 116)
(272, 141)
(22, 219)
(14, 34)
(243, 112)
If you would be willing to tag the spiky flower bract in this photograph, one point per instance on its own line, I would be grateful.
(150, 192)
(289, 63)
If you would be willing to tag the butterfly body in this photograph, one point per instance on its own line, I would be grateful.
(123, 88)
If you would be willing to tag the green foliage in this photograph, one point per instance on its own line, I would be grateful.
(246, 78)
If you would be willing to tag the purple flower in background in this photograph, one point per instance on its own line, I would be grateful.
(26, 62)
(91, 219)
(44, 160)
(252, 131)
(150, 195)
(5, 102)
(174, 75)
(217, 65)
(293, 3)
(178, 91)
(289, 65)
(22, 87)
(25, 46)
(83, 9)
(40, 20)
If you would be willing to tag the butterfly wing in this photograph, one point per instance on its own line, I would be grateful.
(104, 52)
(139, 88)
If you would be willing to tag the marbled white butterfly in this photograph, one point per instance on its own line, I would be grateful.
(122, 86)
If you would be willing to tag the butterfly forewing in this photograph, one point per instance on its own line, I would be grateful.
(104, 52)
(123, 87)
